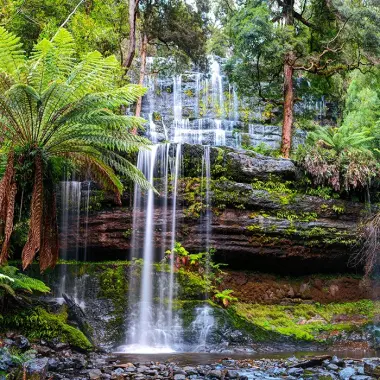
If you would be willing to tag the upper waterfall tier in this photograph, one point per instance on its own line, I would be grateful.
(198, 108)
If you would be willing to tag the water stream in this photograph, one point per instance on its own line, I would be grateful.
(74, 198)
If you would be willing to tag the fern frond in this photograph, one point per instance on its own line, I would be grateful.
(12, 56)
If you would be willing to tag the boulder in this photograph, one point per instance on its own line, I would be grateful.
(372, 368)
(346, 373)
(36, 369)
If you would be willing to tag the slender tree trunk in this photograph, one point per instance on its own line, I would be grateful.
(287, 124)
(133, 6)
(144, 46)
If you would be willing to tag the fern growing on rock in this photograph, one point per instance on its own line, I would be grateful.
(58, 110)
(17, 287)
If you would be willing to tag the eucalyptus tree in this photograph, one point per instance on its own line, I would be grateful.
(277, 41)
(172, 28)
(57, 110)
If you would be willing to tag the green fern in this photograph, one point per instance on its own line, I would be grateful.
(342, 138)
(13, 282)
(68, 108)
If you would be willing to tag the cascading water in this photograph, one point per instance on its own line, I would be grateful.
(74, 197)
(153, 325)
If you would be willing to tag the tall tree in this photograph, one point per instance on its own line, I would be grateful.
(274, 42)
(171, 25)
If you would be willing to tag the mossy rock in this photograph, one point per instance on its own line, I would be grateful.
(37, 323)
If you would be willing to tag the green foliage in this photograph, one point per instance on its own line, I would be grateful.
(197, 272)
(96, 24)
(225, 297)
(263, 149)
(37, 323)
(18, 286)
(344, 169)
(262, 37)
(67, 108)
(362, 104)
(18, 358)
(113, 283)
(278, 189)
(341, 139)
(299, 217)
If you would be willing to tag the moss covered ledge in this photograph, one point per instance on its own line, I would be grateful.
(312, 322)
(37, 323)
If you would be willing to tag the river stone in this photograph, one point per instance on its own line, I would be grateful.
(332, 367)
(143, 369)
(233, 374)
(36, 369)
(372, 368)
(21, 342)
(360, 377)
(5, 360)
(190, 371)
(54, 364)
(216, 373)
(346, 373)
(151, 372)
(179, 376)
(117, 374)
(295, 371)
(95, 374)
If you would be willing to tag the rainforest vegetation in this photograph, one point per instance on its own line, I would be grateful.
(84, 85)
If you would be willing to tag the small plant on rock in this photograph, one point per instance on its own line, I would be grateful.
(225, 297)
(16, 287)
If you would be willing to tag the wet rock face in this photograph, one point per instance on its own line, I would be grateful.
(270, 289)
(253, 227)
(243, 237)
(239, 165)
(246, 168)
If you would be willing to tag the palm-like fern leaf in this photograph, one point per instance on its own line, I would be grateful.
(12, 56)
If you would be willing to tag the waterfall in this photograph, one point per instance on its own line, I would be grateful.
(202, 326)
(217, 87)
(153, 325)
(146, 286)
(73, 198)
(177, 98)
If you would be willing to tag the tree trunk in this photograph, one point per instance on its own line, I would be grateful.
(144, 46)
(287, 123)
(133, 5)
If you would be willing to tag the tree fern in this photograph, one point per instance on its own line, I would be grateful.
(341, 138)
(55, 107)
